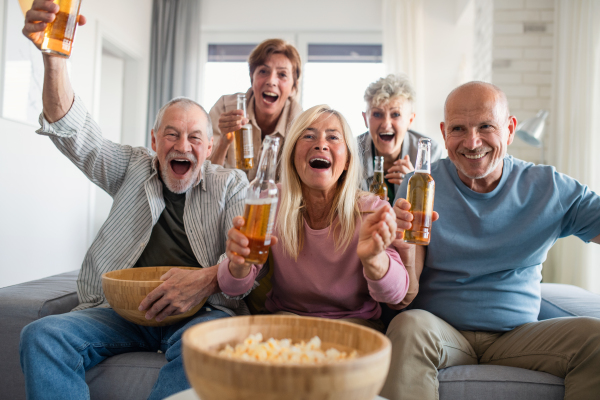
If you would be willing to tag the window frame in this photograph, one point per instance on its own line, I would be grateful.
(300, 40)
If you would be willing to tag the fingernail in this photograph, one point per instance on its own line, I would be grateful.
(140, 308)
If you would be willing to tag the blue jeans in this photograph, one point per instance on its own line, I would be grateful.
(58, 349)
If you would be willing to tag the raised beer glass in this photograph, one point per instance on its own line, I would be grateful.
(261, 204)
(59, 34)
(378, 186)
(244, 149)
(421, 189)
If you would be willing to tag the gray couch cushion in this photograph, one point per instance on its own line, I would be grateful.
(20, 305)
(128, 376)
(495, 382)
(560, 300)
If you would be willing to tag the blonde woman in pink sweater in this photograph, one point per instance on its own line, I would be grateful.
(332, 254)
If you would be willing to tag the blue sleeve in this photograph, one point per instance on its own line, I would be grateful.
(581, 208)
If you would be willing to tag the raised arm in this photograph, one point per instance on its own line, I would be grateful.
(57, 95)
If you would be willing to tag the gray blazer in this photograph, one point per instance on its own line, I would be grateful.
(409, 146)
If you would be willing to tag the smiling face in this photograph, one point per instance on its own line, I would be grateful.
(321, 154)
(272, 84)
(477, 131)
(181, 145)
(388, 123)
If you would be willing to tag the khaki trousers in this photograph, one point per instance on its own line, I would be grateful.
(423, 343)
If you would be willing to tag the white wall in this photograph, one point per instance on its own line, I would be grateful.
(45, 207)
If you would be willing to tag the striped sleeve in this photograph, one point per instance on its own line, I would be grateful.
(79, 138)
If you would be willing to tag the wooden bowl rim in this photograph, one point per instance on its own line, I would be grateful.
(107, 275)
(361, 359)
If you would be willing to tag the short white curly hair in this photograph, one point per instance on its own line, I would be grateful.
(388, 88)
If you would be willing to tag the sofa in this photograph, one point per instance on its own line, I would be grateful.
(131, 376)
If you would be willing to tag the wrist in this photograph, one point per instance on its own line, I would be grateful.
(376, 267)
(239, 271)
(53, 63)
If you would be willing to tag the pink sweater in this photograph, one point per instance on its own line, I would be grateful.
(323, 282)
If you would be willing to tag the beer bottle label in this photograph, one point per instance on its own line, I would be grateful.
(270, 224)
(247, 138)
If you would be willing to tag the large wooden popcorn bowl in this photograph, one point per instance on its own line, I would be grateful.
(126, 288)
(217, 377)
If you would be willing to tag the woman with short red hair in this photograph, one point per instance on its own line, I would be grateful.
(275, 69)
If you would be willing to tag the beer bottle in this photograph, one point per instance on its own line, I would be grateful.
(378, 186)
(244, 150)
(421, 189)
(261, 204)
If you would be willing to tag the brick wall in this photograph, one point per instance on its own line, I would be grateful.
(522, 61)
(483, 41)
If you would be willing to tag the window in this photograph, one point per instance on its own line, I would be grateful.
(226, 71)
(337, 75)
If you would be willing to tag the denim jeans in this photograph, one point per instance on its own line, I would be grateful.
(58, 349)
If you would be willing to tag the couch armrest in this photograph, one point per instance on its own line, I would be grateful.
(20, 305)
(560, 300)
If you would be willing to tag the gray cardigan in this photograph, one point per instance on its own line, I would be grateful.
(409, 146)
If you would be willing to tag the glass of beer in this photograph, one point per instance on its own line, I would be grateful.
(378, 186)
(59, 34)
(420, 193)
(244, 149)
(261, 204)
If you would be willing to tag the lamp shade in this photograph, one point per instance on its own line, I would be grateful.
(532, 129)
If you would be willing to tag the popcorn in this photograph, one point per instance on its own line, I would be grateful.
(284, 352)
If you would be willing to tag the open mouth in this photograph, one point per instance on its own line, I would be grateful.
(270, 97)
(180, 167)
(386, 136)
(319, 163)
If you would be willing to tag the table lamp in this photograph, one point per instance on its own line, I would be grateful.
(532, 129)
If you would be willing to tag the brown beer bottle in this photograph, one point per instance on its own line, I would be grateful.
(378, 186)
(261, 204)
(421, 189)
(244, 149)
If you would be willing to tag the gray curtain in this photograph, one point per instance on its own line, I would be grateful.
(174, 54)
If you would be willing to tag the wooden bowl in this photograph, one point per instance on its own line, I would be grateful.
(126, 288)
(215, 377)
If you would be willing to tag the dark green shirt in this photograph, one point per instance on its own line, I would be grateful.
(169, 244)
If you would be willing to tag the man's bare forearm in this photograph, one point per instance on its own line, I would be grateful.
(57, 95)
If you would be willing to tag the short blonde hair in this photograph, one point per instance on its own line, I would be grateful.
(388, 88)
(290, 218)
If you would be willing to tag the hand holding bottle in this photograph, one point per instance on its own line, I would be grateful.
(230, 122)
(399, 170)
(238, 248)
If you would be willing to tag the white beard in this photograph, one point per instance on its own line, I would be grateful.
(180, 186)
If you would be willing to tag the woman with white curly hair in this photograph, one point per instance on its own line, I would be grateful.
(388, 117)
(333, 256)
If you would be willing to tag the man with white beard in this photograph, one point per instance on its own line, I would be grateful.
(478, 281)
(172, 208)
